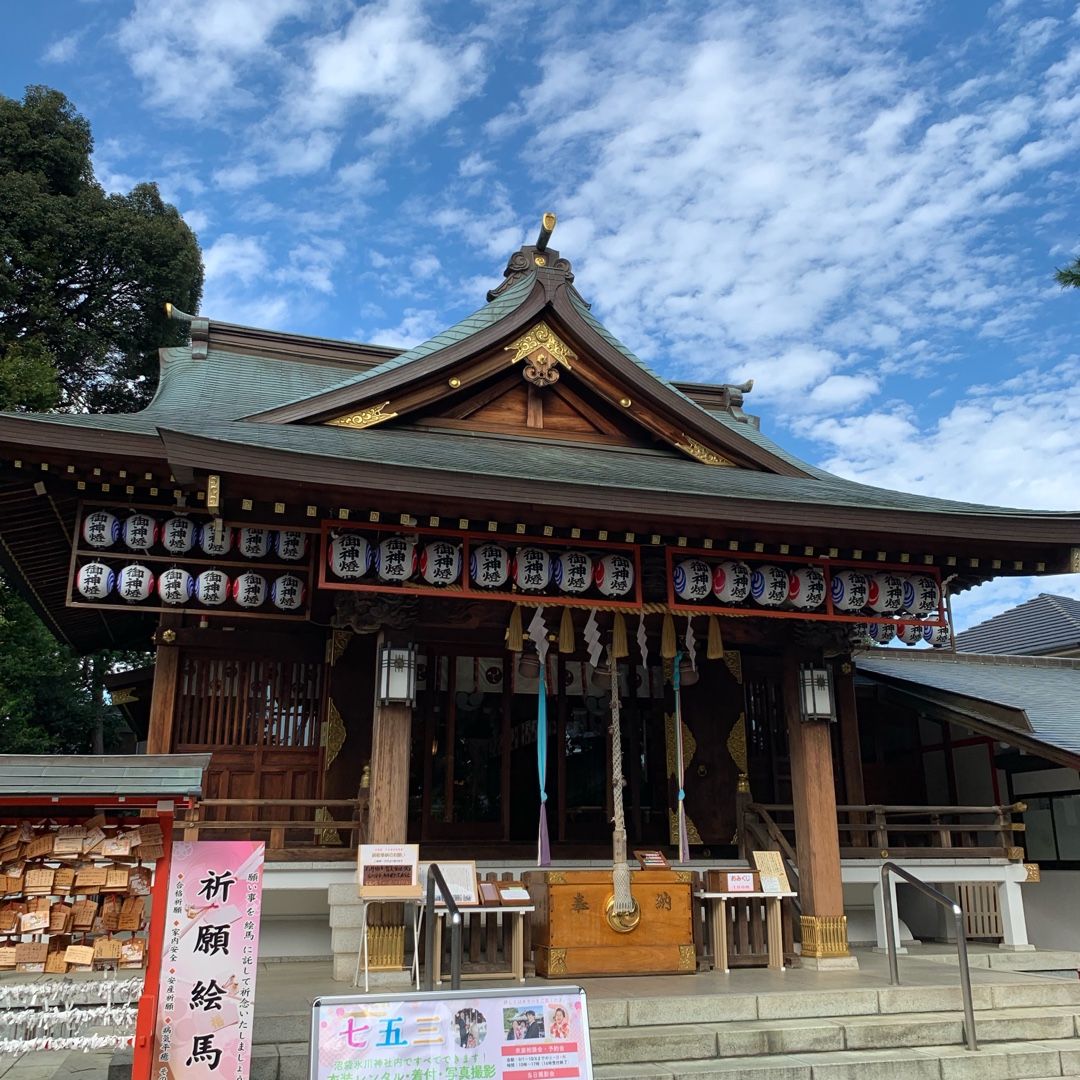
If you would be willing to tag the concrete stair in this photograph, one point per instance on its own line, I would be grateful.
(1029, 1029)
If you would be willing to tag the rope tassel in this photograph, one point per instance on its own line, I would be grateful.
(566, 632)
(620, 870)
(619, 646)
(714, 650)
(667, 638)
(514, 640)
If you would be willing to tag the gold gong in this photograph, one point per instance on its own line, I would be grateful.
(624, 922)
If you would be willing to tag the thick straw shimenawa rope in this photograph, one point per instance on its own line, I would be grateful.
(620, 870)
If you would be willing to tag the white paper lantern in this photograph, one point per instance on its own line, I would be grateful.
(769, 585)
(287, 592)
(922, 595)
(489, 566)
(440, 563)
(573, 571)
(135, 583)
(95, 581)
(212, 587)
(882, 633)
(937, 635)
(175, 586)
(254, 542)
(885, 593)
(614, 575)
(395, 559)
(849, 590)
(215, 540)
(100, 529)
(532, 569)
(249, 589)
(731, 582)
(806, 588)
(140, 532)
(290, 545)
(909, 633)
(178, 535)
(692, 579)
(349, 556)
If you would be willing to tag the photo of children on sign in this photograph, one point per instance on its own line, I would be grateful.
(497, 1037)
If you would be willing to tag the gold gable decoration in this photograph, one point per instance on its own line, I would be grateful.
(703, 453)
(365, 418)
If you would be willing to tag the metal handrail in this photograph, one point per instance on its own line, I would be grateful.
(961, 940)
(435, 877)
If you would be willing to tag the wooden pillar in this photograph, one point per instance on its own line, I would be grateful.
(817, 844)
(850, 747)
(388, 817)
(159, 737)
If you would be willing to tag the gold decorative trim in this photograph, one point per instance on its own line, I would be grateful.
(556, 877)
(329, 837)
(621, 922)
(736, 744)
(733, 659)
(1033, 871)
(692, 834)
(824, 936)
(687, 958)
(685, 876)
(556, 961)
(365, 418)
(1015, 854)
(123, 697)
(339, 642)
(703, 453)
(541, 338)
(213, 493)
(386, 948)
(334, 733)
(1074, 560)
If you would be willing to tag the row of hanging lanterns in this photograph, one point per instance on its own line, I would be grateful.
(136, 583)
(908, 633)
(770, 586)
(351, 557)
(180, 535)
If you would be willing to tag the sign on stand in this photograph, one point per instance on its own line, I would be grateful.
(536, 1034)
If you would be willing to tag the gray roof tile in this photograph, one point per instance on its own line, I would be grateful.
(1044, 624)
(164, 775)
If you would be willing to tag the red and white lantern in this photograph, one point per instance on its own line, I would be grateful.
(614, 575)
(287, 592)
(140, 532)
(175, 586)
(769, 585)
(440, 563)
(100, 529)
(290, 545)
(489, 566)
(731, 582)
(249, 589)
(532, 569)
(254, 542)
(850, 590)
(573, 571)
(178, 535)
(212, 588)
(691, 579)
(885, 593)
(215, 539)
(135, 583)
(922, 595)
(95, 581)
(395, 559)
(806, 588)
(349, 556)
(909, 633)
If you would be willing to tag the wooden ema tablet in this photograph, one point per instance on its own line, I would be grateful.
(90, 879)
(132, 953)
(110, 913)
(139, 881)
(55, 964)
(117, 878)
(131, 914)
(107, 948)
(79, 954)
(34, 922)
(7, 956)
(83, 913)
(31, 954)
(39, 847)
(40, 881)
(64, 881)
(60, 919)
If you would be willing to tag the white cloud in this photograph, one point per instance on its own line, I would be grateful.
(238, 177)
(231, 259)
(417, 325)
(64, 49)
(475, 164)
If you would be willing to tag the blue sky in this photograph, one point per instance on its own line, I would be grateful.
(858, 204)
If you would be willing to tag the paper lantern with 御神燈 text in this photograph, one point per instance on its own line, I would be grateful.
(175, 586)
(249, 589)
(212, 587)
(100, 529)
(290, 545)
(614, 575)
(937, 635)
(214, 542)
(287, 592)
(178, 535)
(909, 633)
(395, 559)
(254, 542)
(691, 579)
(95, 581)
(440, 563)
(573, 571)
(806, 588)
(349, 556)
(140, 532)
(850, 590)
(731, 582)
(885, 593)
(489, 566)
(882, 633)
(922, 595)
(769, 585)
(532, 569)
(134, 583)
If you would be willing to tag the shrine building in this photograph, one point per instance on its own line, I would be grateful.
(392, 594)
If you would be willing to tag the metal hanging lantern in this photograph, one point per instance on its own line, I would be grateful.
(397, 674)
(816, 698)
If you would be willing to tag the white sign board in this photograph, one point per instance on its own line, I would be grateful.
(480, 1034)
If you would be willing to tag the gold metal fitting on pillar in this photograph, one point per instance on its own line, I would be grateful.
(824, 936)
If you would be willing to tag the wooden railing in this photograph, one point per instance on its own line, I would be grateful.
(889, 832)
(285, 824)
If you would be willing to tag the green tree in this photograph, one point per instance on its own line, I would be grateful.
(1068, 277)
(84, 276)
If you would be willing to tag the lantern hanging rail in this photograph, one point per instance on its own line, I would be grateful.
(930, 893)
(435, 878)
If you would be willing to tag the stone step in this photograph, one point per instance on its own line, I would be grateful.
(686, 1042)
(996, 1061)
(1006, 960)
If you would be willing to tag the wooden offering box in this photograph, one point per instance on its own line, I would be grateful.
(573, 934)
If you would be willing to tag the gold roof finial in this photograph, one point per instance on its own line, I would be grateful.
(547, 227)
